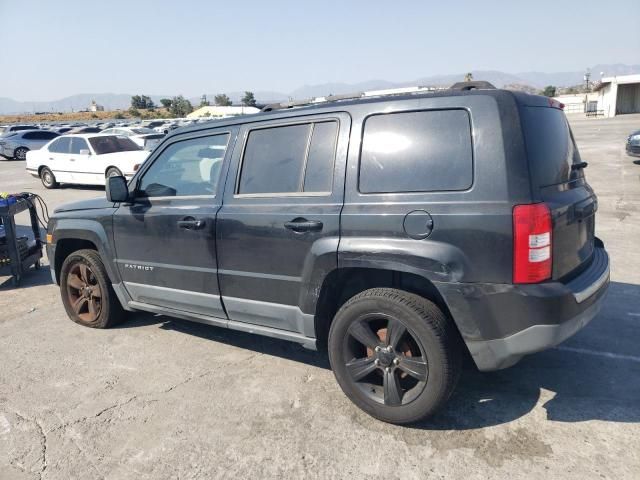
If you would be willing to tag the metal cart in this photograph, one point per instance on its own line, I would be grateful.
(18, 254)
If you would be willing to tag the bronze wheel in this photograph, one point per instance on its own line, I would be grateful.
(87, 293)
(84, 292)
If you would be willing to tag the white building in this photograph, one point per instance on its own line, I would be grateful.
(578, 102)
(619, 95)
(214, 111)
(94, 107)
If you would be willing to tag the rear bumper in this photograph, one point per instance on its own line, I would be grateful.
(502, 323)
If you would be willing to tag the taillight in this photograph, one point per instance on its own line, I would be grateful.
(531, 243)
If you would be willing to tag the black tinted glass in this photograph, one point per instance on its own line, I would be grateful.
(274, 160)
(551, 149)
(112, 144)
(322, 152)
(416, 152)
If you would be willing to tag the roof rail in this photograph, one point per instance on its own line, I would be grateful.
(348, 96)
(474, 85)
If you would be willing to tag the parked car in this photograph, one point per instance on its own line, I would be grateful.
(85, 159)
(403, 232)
(9, 129)
(144, 137)
(17, 144)
(78, 130)
(633, 144)
(62, 130)
(165, 128)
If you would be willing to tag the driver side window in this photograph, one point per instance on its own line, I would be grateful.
(189, 167)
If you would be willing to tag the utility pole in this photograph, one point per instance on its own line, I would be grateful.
(587, 76)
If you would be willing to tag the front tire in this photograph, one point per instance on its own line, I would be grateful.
(20, 153)
(48, 178)
(87, 294)
(394, 354)
(113, 172)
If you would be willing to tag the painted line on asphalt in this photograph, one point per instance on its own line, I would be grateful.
(615, 356)
(632, 314)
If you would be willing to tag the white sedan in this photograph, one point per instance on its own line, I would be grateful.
(86, 159)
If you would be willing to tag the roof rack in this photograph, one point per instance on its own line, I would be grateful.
(375, 93)
(474, 85)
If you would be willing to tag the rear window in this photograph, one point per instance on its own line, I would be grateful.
(112, 144)
(416, 152)
(551, 149)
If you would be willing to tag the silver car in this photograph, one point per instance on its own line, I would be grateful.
(17, 144)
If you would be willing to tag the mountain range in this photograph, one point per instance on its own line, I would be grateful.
(113, 101)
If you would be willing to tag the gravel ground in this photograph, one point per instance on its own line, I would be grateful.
(162, 398)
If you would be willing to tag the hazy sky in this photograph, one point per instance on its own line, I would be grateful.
(51, 49)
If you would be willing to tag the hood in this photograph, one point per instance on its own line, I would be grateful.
(91, 204)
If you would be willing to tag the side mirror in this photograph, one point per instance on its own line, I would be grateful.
(117, 190)
(85, 151)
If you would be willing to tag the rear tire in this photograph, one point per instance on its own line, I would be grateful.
(394, 354)
(87, 294)
(48, 178)
(20, 153)
(113, 172)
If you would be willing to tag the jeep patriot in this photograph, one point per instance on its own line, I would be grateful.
(400, 232)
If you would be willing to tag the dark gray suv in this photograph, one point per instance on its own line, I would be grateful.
(397, 231)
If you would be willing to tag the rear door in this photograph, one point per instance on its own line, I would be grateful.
(558, 179)
(166, 237)
(58, 159)
(281, 217)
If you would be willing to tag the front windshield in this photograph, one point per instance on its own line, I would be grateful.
(112, 144)
(142, 131)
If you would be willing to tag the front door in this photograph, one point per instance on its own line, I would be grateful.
(166, 238)
(280, 218)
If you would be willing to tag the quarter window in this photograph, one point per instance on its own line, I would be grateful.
(289, 159)
(416, 152)
(189, 167)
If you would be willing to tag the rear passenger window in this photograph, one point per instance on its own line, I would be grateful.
(416, 152)
(61, 145)
(289, 159)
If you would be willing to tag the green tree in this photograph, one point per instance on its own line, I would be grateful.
(249, 99)
(549, 91)
(468, 77)
(142, 102)
(134, 112)
(222, 100)
(180, 106)
(118, 116)
(166, 103)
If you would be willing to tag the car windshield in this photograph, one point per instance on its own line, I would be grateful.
(112, 144)
(142, 131)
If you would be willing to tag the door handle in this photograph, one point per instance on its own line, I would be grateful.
(190, 223)
(300, 225)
